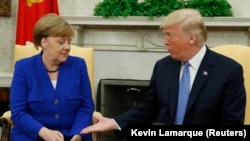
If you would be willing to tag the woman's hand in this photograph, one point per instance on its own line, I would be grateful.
(51, 135)
(76, 138)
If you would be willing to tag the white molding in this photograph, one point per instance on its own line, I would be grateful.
(5, 79)
(227, 22)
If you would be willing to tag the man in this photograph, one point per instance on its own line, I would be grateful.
(215, 94)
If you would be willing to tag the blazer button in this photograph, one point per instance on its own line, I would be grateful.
(56, 116)
(56, 101)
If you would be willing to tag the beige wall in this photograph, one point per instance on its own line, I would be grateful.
(141, 62)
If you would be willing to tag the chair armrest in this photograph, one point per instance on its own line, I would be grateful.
(7, 115)
(4, 124)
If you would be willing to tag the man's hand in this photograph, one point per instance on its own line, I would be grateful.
(102, 124)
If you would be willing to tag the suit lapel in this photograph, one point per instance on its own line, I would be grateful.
(201, 77)
(173, 93)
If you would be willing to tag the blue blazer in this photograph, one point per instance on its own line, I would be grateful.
(34, 103)
(217, 96)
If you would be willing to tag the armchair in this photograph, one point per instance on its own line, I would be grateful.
(86, 53)
(241, 54)
(4, 129)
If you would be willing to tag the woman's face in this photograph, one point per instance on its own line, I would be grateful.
(56, 48)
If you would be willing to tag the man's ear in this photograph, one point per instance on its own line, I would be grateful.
(193, 39)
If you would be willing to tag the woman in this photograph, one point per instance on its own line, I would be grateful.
(50, 92)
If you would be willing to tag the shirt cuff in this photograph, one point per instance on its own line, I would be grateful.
(118, 127)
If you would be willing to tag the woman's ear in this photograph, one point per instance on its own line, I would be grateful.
(44, 42)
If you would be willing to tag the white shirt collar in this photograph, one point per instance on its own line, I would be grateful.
(195, 61)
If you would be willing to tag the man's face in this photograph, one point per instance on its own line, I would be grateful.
(176, 42)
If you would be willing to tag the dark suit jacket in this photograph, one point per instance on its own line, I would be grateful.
(217, 96)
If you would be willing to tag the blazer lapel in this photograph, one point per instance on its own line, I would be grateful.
(42, 73)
